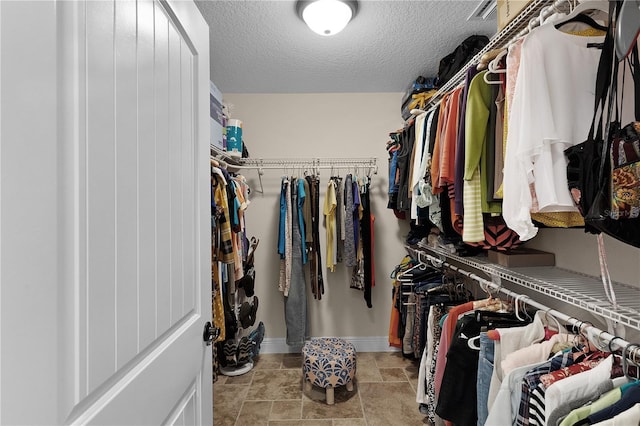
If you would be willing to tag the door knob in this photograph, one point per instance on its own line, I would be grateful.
(210, 333)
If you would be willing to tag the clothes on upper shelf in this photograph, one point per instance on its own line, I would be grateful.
(493, 148)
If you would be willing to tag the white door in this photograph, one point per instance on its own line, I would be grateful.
(104, 213)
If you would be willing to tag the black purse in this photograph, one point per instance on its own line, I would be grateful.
(589, 169)
(584, 159)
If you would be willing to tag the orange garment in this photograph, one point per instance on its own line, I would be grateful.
(435, 162)
(448, 143)
(454, 313)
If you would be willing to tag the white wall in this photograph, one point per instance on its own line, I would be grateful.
(578, 251)
(321, 125)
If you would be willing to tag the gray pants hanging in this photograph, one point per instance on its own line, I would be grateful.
(295, 305)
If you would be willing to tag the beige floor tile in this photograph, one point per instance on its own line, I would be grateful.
(347, 404)
(244, 379)
(412, 373)
(227, 401)
(393, 375)
(390, 403)
(267, 362)
(254, 413)
(291, 362)
(391, 359)
(367, 372)
(365, 355)
(286, 410)
(271, 394)
(349, 422)
(275, 385)
(270, 357)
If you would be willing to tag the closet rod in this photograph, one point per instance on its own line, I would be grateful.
(312, 164)
(485, 284)
(318, 162)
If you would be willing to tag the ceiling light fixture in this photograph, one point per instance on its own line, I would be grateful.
(326, 17)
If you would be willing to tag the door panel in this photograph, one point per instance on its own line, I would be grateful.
(147, 149)
(98, 203)
(163, 207)
(28, 215)
(127, 187)
(189, 290)
(127, 110)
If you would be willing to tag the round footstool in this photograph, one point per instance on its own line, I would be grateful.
(328, 362)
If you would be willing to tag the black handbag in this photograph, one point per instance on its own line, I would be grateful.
(584, 159)
(589, 169)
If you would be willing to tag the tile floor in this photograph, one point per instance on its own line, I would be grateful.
(271, 394)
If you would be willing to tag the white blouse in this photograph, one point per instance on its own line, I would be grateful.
(552, 109)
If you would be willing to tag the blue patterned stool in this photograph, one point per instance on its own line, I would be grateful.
(328, 362)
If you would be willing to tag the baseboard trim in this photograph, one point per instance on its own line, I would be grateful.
(275, 345)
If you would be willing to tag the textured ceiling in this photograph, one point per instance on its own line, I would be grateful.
(263, 47)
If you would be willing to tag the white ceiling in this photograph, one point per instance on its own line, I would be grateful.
(263, 47)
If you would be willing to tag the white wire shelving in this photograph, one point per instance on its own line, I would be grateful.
(580, 290)
(525, 21)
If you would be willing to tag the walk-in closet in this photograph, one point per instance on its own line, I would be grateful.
(569, 283)
(227, 213)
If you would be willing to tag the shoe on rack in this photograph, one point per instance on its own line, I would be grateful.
(230, 351)
(256, 337)
(245, 347)
(248, 312)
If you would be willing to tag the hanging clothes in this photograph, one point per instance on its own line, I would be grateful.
(314, 254)
(216, 300)
(302, 211)
(556, 87)
(296, 300)
(339, 219)
(223, 246)
(460, 144)
(404, 163)
(367, 244)
(285, 237)
(476, 159)
(357, 276)
(330, 223)
(349, 242)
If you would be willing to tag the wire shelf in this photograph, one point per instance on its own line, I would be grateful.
(527, 19)
(577, 289)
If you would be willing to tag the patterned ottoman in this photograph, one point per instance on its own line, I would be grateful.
(328, 362)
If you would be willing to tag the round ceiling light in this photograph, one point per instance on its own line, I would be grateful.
(326, 17)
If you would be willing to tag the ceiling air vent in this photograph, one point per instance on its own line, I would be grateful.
(485, 10)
